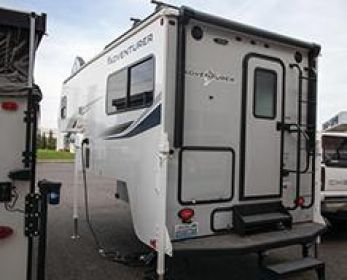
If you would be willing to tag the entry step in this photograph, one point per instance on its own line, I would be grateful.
(277, 271)
(260, 217)
(266, 218)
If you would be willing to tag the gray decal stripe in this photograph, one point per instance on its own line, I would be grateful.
(117, 129)
(151, 120)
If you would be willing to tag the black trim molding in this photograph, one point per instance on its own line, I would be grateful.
(243, 124)
(212, 220)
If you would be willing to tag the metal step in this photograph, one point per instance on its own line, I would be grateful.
(260, 217)
(277, 271)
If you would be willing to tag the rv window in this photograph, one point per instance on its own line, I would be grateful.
(142, 84)
(335, 151)
(131, 88)
(265, 90)
(63, 107)
(117, 91)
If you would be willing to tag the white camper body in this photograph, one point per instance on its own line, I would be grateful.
(334, 167)
(187, 111)
(13, 250)
(20, 35)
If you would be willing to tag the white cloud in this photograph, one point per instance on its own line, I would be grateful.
(54, 62)
(312, 20)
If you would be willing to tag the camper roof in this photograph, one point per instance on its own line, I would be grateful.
(21, 19)
(239, 27)
(188, 13)
(337, 123)
(15, 48)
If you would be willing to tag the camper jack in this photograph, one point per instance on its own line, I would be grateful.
(208, 128)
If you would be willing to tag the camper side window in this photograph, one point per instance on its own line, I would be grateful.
(131, 88)
(117, 91)
(142, 84)
(265, 91)
(63, 107)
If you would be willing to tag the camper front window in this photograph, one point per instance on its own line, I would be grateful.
(334, 151)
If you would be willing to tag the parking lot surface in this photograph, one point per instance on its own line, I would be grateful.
(69, 259)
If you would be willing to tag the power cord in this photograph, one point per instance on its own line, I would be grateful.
(135, 259)
(11, 207)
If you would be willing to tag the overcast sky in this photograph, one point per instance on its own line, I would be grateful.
(84, 27)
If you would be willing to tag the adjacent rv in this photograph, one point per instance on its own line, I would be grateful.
(21, 237)
(334, 167)
(207, 127)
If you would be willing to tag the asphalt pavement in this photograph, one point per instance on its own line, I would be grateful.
(69, 259)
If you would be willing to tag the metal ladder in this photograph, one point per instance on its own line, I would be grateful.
(302, 130)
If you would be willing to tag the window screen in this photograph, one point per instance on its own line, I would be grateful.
(117, 91)
(265, 90)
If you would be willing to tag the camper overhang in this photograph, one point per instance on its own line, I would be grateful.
(19, 19)
(16, 46)
(338, 123)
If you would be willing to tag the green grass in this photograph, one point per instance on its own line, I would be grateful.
(54, 155)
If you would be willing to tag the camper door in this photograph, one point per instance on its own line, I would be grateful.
(261, 140)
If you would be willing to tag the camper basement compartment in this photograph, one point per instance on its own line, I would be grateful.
(207, 127)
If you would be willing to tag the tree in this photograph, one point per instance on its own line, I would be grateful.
(39, 140)
(44, 141)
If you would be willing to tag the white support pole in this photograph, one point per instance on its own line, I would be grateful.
(163, 162)
(77, 164)
(164, 154)
(32, 42)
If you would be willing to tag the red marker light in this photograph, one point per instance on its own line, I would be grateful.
(300, 201)
(9, 106)
(186, 215)
(5, 232)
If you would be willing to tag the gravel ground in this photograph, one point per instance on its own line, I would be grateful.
(69, 259)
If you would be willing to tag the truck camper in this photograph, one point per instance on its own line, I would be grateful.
(21, 237)
(333, 168)
(208, 128)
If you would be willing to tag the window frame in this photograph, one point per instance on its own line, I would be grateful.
(336, 162)
(127, 94)
(274, 115)
(63, 108)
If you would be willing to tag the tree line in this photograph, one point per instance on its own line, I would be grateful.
(45, 141)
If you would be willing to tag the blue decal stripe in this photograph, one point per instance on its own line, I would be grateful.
(153, 119)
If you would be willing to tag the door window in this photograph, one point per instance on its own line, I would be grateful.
(265, 89)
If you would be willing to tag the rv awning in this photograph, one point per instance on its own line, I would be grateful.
(14, 48)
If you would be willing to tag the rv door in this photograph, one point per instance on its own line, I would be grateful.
(261, 141)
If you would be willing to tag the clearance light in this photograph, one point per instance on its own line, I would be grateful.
(5, 232)
(186, 215)
(300, 201)
(9, 106)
